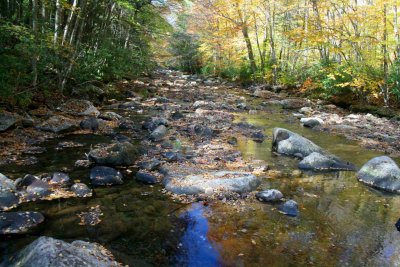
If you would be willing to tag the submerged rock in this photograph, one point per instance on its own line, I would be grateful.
(314, 157)
(81, 190)
(225, 181)
(47, 252)
(7, 121)
(19, 222)
(270, 195)
(91, 123)
(105, 176)
(382, 173)
(110, 116)
(150, 165)
(114, 154)
(289, 208)
(58, 124)
(60, 178)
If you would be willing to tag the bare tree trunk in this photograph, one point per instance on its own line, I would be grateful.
(57, 21)
(385, 88)
(250, 52)
(35, 31)
(67, 24)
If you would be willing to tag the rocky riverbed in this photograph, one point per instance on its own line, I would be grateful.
(127, 172)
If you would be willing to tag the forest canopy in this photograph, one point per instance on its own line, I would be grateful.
(346, 48)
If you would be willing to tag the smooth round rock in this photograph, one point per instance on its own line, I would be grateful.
(289, 208)
(146, 177)
(81, 190)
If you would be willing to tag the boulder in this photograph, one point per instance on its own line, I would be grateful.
(58, 124)
(102, 175)
(19, 222)
(382, 173)
(8, 199)
(38, 189)
(146, 177)
(270, 195)
(47, 252)
(115, 154)
(159, 133)
(290, 143)
(81, 190)
(311, 122)
(314, 157)
(79, 107)
(317, 161)
(306, 110)
(7, 121)
(225, 181)
(289, 208)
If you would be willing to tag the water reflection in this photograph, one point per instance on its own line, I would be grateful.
(195, 249)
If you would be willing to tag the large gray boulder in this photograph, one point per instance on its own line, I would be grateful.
(222, 181)
(159, 133)
(58, 124)
(78, 107)
(19, 222)
(7, 121)
(48, 252)
(313, 157)
(116, 154)
(382, 173)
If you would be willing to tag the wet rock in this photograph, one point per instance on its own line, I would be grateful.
(6, 183)
(289, 208)
(58, 124)
(110, 116)
(317, 161)
(47, 251)
(60, 178)
(382, 173)
(26, 181)
(270, 195)
(102, 175)
(79, 107)
(91, 124)
(114, 154)
(127, 124)
(150, 165)
(311, 122)
(27, 122)
(68, 144)
(203, 104)
(81, 190)
(241, 105)
(19, 222)
(159, 133)
(225, 181)
(299, 115)
(7, 121)
(146, 177)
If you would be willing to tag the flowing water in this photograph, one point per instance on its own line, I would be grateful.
(341, 222)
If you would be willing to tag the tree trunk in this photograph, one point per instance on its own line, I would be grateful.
(68, 23)
(35, 31)
(385, 87)
(57, 21)
(250, 52)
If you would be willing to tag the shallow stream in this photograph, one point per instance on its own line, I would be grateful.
(341, 221)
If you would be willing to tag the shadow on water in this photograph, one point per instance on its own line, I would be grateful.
(195, 249)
